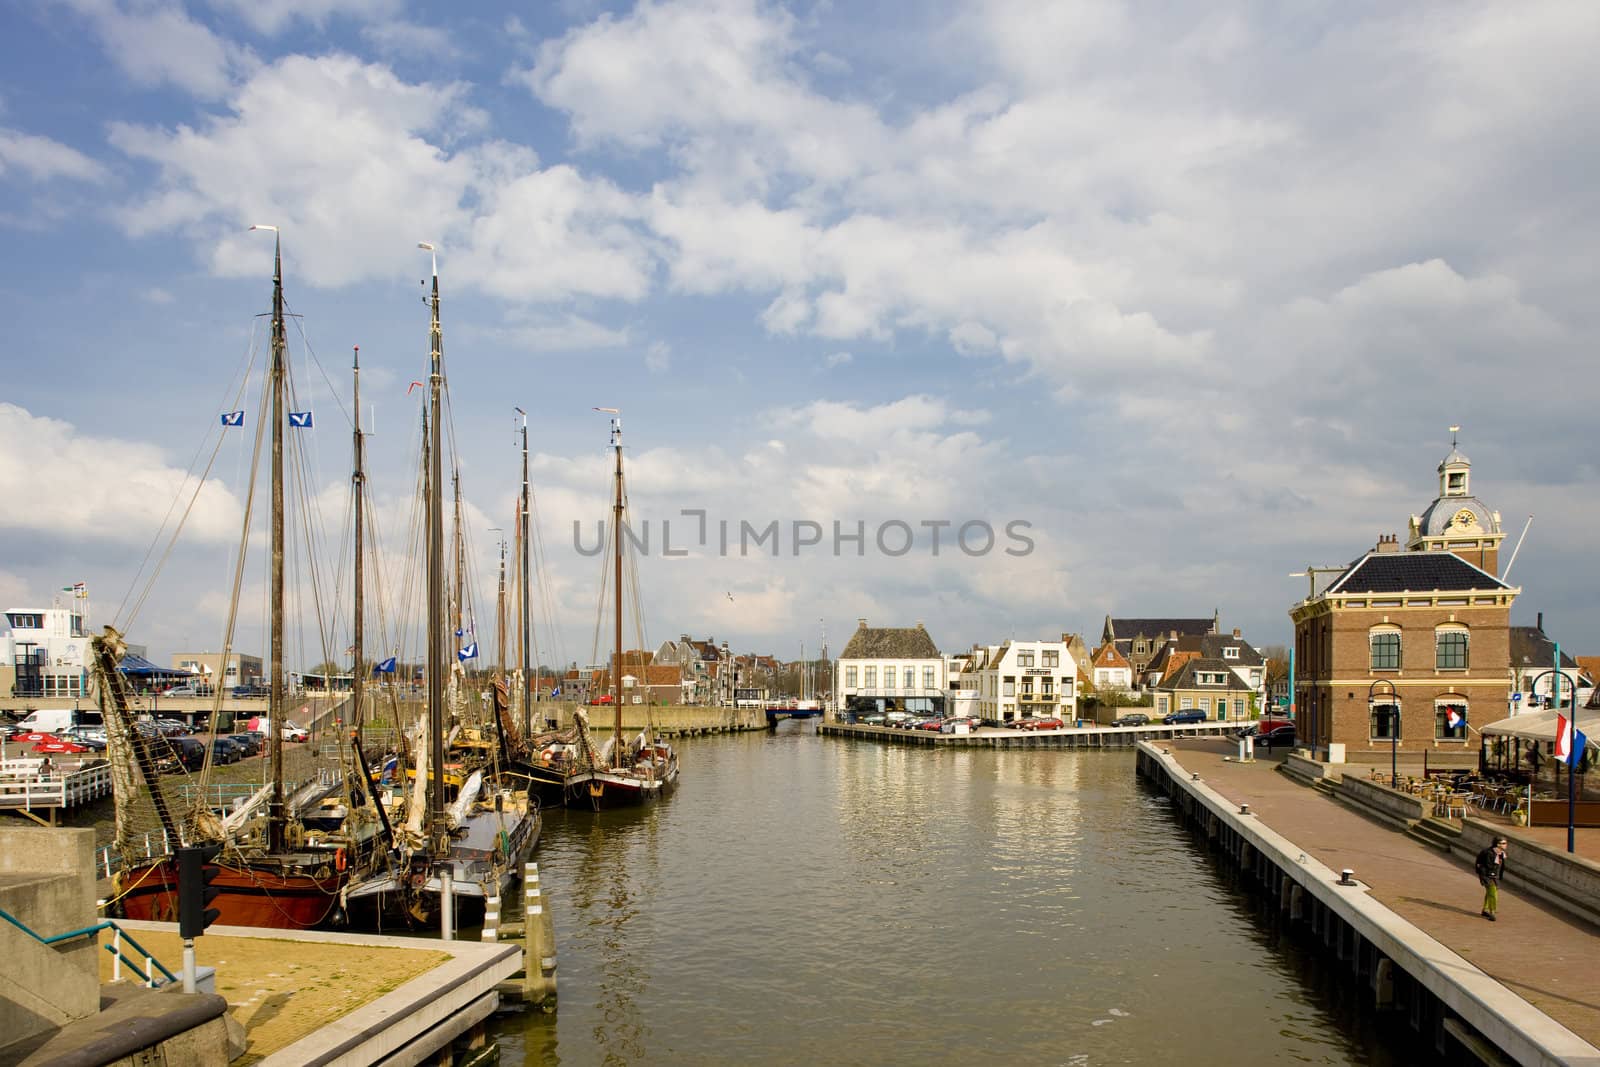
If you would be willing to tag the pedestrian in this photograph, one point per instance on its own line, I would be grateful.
(1490, 866)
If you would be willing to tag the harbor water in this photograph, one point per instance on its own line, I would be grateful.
(808, 900)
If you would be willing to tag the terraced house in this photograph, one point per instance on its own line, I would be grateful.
(1023, 680)
(1406, 648)
(890, 669)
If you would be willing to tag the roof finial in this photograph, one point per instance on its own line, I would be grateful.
(1453, 431)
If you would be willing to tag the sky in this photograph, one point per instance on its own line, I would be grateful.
(1173, 299)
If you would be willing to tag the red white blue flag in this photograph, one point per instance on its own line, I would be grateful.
(1570, 741)
(1454, 718)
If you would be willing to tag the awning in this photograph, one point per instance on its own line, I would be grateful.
(1533, 726)
(139, 667)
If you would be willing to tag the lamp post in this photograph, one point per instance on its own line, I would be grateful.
(1574, 758)
(1392, 720)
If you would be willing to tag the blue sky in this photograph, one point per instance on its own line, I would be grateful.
(1195, 291)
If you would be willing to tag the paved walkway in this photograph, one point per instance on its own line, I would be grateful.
(1537, 952)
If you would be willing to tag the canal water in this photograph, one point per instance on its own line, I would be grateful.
(812, 900)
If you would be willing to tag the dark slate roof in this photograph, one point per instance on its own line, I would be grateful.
(1413, 572)
(1531, 648)
(883, 642)
(1160, 627)
(1185, 678)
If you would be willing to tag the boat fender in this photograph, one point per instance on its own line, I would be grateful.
(339, 860)
(322, 874)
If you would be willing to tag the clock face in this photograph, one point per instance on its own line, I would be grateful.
(1464, 517)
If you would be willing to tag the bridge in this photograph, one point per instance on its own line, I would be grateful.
(776, 713)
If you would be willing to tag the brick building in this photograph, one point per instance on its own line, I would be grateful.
(1425, 630)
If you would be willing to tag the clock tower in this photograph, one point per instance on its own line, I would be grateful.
(1457, 521)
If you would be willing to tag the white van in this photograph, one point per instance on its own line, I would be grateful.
(48, 720)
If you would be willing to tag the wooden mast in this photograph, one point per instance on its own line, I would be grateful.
(616, 442)
(277, 816)
(438, 830)
(358, 480)
(526, 635)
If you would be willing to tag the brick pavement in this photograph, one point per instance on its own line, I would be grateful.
(1537, 952)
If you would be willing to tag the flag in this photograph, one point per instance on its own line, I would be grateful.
(385, 667)
(233, 418)
(1454, 718)
(556, 691)
(412, 386)
(300, 420)
(461, 633)
(468, 651)
(1570, 741)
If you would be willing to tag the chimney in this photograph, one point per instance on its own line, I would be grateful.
(861, 624)
(1235, 633)
(1388, 543)
(919, 624)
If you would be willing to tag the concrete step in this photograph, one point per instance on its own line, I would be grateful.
(1325, 787)
(1434, 832)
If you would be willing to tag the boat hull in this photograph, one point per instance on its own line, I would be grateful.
(604, 790)
(264, 897)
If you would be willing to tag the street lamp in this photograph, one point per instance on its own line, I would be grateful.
(1574, 758)
(1392, 721)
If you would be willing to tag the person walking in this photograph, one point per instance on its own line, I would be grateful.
(1491, 865)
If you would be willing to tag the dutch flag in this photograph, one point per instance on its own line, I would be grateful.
(1454, 718)
(1570, 741)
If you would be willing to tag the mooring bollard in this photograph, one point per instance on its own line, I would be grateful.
(539, 941)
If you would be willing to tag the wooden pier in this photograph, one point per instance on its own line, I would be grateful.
(26, 786)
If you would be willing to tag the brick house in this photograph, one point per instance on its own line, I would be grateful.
(1210, 685)
(1425, 630)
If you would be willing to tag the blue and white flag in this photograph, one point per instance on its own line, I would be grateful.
(556, 691)
(468, 651)
(300, 420)
(233, 418)
(461, 633)
(1570, 741)
(384, 667)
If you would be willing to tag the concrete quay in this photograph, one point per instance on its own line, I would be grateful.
(311, 997)
(1000, 737)
(1408, 926)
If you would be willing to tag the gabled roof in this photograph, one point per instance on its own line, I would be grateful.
(1108, 656)
(883, 642)
(1184, 677)
(1531, 649)
(1211, 646)
(1414, 572)
(1175, 661)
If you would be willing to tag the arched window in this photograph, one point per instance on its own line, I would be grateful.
(1385, 644)
(1384, 717)
(1450, 647)
(1450, 718)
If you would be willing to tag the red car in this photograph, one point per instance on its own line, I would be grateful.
(1042, 724)
(930, 724)
(605, 699)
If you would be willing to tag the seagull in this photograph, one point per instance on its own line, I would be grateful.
(730, 596)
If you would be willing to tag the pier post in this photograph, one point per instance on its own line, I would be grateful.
(1297, 902)
(447, 904)
(491, 918)
(539, 941)
(1383, 983)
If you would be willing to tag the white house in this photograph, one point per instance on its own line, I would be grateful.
(1023, 680)
(890, 669)
(45, 652)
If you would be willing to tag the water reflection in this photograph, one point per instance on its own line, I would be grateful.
(804, 900)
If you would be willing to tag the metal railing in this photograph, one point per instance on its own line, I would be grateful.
(118, 957)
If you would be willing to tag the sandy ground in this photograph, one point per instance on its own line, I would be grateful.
(280, 991)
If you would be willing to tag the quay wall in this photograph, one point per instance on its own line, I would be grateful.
(1398, 809)
(42, 885)
(1123, 737)
(1446, 999)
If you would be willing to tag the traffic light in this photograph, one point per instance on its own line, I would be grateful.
(195, 892)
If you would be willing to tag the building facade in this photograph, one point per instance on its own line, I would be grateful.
(1022, 680)
(1405, 648)
(44, 653)
(890, 669)
(240, 669)
(1140, 639)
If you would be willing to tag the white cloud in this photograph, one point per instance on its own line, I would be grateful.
(75, 493)
(42, 159)
(156, 43)
(274, 16)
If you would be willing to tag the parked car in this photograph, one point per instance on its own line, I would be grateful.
(930, 724)
(1043, 723)
(1183, 716)
(875, 719)
(172, 728)
(186, 752)
(294, 733)
(251, 691)
(1133, 718)
(604, 698)
(248, 745)
(90, 737)
(182, 690)
(1278, 735)
(224, 751)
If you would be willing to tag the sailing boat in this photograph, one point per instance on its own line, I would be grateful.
(623, 773)
(272, 872)
(462, 849)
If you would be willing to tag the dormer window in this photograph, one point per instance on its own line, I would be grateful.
(1230, 652)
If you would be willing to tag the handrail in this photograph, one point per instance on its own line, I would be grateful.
(88, 931)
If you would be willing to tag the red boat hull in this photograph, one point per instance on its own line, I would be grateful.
(265, 898)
